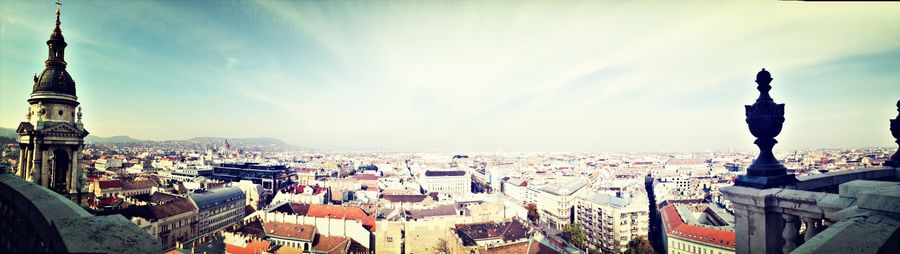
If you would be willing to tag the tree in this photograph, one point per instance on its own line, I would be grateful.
(533, 214)
(442, 247)
(576, 235)
(639, 245)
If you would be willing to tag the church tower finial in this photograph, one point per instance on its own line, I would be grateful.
(58, 4)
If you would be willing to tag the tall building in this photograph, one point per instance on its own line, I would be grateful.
(218, 209)
(52, 136)
(609, 222)
(556, 201)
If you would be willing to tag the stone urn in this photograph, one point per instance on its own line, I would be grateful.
(895, 131)
(765, 119)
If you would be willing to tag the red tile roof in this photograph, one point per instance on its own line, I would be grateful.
(365, 177)
(289, 230)
(331, 244)
(136, 185)
(109, 184)
(253, 247)
(105, 201)
(675, 227)
(330, 211)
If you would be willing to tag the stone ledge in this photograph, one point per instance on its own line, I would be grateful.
(854, 188)
(854, 235)
(830, 179)
(105, 234)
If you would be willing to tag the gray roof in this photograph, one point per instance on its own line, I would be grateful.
(600, 198)
(564, 187)
(445, 173)
(686, 214)
(215, 197)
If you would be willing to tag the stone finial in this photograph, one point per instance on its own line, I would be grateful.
(765, 119)
(28, 115)
(895, 131)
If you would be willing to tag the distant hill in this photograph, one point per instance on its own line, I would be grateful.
(110, 140)
(247, 141)
(8, 132)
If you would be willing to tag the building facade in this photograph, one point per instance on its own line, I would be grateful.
(271, 177)
(609, 222)
(555, 202)
(218, 209)
(453, 182)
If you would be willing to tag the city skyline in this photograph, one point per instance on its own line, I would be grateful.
(466, 76)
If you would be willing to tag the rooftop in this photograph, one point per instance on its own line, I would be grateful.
(331, 244)
(289, 230)
(676, 227)
(513, 230)
(215, 197)
(563, 188)
(445, 173)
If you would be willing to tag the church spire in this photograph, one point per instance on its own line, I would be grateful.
(55, 79)
(56, 43)
(57, 13)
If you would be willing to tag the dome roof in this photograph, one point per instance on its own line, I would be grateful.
(54, 80)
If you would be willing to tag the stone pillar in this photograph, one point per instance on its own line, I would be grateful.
(21, 165)
(45, 170)
(757, 229)
(74, 170)
(35, 171)
(26, 165)
(790, 232)
(812, 228)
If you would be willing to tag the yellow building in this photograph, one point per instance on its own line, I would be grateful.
(388, 237)
(424, 235)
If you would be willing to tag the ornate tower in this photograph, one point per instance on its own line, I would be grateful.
(52, 136)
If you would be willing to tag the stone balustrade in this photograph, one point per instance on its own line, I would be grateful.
(862, 217)
(34, 219)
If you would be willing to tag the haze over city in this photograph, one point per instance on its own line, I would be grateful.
(472, 76)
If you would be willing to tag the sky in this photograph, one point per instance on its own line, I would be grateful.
(466, 75)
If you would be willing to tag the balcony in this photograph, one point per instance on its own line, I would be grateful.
(37, 220)
(855, 211)
(862, 217)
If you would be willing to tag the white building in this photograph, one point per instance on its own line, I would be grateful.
(255, 194)
(555, 202)
(609, 222)
(453, 182)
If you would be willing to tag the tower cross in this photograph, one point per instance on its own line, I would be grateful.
(58, 4)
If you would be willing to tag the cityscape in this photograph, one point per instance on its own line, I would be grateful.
(388, 127)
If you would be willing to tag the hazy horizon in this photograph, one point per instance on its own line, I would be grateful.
(466, 76)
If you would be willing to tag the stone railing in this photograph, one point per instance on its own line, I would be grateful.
(862, 217)
(34, 219)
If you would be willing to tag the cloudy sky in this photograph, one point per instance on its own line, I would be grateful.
(470, 76)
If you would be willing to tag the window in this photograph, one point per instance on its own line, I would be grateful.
(390, 239)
